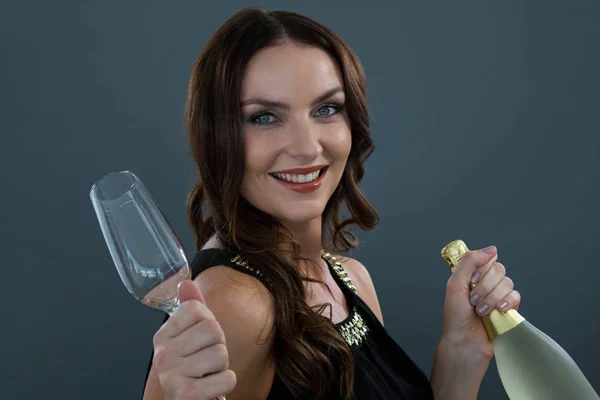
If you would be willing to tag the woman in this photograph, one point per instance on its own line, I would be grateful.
(278, 124)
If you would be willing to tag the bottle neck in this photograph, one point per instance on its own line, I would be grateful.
(496, 323)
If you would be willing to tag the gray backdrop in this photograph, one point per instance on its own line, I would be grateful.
(486, 126)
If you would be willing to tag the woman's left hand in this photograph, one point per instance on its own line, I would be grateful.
(465, 351)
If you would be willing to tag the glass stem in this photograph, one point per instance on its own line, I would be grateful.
(169, 307)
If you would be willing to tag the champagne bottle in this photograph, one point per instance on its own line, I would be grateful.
(531, 365)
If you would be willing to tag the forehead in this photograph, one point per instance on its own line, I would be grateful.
(290, 72)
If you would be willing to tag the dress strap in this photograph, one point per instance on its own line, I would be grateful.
(207, 258)
(336, 265)
(354, 329)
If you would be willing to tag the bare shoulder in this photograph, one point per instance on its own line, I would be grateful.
(236, 295)
(243, 306)
(361, 279)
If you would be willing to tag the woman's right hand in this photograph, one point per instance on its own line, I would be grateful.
(190, 353)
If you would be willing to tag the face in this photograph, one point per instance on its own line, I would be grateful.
(296, 131)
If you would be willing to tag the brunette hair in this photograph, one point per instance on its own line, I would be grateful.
(305, 343)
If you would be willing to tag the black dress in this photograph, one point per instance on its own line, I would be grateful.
(383, 370)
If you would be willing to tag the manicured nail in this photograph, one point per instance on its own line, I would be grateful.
(482, 308)
(474, 299)
(488, 250)
(475, 277)
(503, 305)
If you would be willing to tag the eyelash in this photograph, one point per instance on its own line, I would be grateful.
(336, 106)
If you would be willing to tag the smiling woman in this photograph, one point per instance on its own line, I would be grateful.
(275, 175)
(279, 129)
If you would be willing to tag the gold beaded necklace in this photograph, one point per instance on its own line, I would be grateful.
(353, 331)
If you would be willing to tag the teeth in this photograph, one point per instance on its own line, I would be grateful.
(298, 178)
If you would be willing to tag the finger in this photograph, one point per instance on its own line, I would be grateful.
(466, 267)
(511, 301)
(487, 283)
(481, 271)
(207, 361)
(204, 334)
(493, 299)
(214, 385)
(187, 315)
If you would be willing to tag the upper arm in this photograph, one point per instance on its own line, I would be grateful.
(243, 308)
(364, 284)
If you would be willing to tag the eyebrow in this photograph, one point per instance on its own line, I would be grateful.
(285, 106)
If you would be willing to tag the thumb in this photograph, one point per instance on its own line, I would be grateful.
(469, 263)
(188, 290)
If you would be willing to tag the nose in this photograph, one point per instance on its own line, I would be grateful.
(304, 143)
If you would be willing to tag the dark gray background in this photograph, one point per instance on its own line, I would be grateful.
(486, 126)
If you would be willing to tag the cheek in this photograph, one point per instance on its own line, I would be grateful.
(339, 143)
(259, 153)
(252, 154)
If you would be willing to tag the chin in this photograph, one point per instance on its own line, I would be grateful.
(298, 213)
(300, 217)
(286, 212)
(290, 207)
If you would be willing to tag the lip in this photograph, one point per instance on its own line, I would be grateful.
(304, 187)
(302, 171)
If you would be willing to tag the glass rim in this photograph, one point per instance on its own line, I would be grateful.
(102, 180)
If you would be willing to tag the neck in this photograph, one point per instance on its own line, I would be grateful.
(309, 236)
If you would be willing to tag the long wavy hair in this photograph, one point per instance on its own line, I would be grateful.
(305, 343)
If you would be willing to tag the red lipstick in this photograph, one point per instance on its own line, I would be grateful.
(305, 187)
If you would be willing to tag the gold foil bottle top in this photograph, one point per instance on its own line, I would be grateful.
(453, 252)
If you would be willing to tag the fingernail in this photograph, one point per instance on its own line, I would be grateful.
(488, 250)
(475, 277)
(503, 305)
(474, 299)
(482, 308)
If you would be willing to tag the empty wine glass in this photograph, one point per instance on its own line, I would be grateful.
(146, 251)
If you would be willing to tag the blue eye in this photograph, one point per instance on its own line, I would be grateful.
(333, 108)
(262, 119)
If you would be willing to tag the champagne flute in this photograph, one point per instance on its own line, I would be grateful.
(146, 251)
